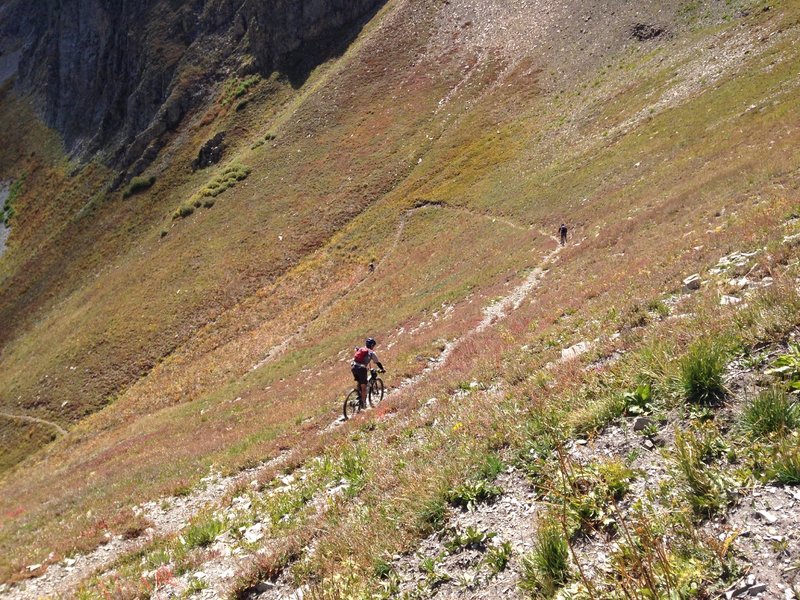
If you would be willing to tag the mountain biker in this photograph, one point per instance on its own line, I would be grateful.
(360, 367)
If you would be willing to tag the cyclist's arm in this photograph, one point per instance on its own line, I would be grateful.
(374, 358)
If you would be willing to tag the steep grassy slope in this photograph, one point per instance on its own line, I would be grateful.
(442, 150)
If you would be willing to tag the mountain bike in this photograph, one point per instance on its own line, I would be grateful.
(375, 392)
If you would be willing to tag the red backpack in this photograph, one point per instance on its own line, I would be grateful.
(362, 355)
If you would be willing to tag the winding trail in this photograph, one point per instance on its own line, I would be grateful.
(278, 349)
(36, 420)
(493, 313)
(170, 515)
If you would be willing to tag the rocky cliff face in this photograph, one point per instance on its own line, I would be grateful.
(114, 75)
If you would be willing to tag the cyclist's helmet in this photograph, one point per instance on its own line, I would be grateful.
(370, 343)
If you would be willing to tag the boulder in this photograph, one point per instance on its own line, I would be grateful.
(574, 351)
(692, 283)
(211, 152)
(729, 300)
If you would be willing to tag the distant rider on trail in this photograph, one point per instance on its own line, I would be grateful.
(563, 231)
(360, 367)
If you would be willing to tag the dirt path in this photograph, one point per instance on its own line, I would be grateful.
(4, 191)
(278, 349)
(493, 313)
(170, 515)
(27, 419)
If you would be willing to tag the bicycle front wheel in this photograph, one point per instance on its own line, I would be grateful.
(350, 405)
(376, 391)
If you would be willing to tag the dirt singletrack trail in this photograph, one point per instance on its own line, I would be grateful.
(494, 312)
(278, 349)
(37, 420)
(170, 515)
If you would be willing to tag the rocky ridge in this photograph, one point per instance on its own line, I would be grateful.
(114, 78)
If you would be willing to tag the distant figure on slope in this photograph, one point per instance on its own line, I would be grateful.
(360, 367)
(371, 266)
(563, 231)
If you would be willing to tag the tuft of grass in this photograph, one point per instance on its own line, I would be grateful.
(658, 307)
(138, 185)
(770, 412)
(434, 574)
(195, 585)
(431, 514)
(238, 88)
(546, 568)
(701, 373)
(492, 467)
(786, 466)
(202, 532)
(352, 469)
(709, 491)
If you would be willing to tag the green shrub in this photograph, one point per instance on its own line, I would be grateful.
(770, 412)
(639, 401)
(497, 557)
(701, 374)
(470, 494)
(546, 568)
(183, 211)
(471, 537)
(9, 211)
(139, 184)
(787, 366)
(228, 178)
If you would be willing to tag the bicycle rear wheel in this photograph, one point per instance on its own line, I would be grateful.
(350, 405)
(376, 391)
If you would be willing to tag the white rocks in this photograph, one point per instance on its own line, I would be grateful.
(766, 516)
(574, 351)
(790, 238)
(32, 568)
(254, 533)
(740, 282)
(729, 300)
(692, 283)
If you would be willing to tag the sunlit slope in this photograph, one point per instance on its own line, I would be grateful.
(656, 159)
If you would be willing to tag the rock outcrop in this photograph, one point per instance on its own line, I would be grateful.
(114, 76)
